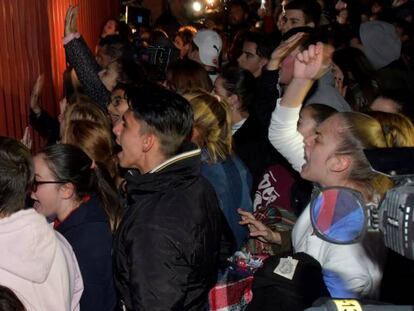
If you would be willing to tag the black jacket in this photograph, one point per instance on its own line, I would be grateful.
(167, 246)
(266, 95)
(46, 126)
(88, 232)
(251, 144)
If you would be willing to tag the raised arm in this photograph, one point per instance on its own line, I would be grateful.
(36, 92)
(39, 119)
(309, 66)
(82, 60)
(283, 50)
(283, 134)
(267, 89)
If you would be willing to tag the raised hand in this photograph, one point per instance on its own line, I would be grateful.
(258, 229)
(71, 20)
(36, 92)
(283, 50)
(397, 3)
(27, 138)
(313, 63)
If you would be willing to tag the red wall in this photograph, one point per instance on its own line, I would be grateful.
(30, 44)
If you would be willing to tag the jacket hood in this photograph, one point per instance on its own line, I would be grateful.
(326, 94)
(27, 245)
(380, 43)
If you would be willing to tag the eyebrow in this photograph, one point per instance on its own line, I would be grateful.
(292, 19)
(248, 53)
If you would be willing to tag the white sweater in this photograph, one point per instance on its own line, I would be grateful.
(284, 136)
(352, 263)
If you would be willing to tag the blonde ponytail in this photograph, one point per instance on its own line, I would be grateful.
(212, 121)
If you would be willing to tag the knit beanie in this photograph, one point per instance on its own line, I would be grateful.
(380, 43)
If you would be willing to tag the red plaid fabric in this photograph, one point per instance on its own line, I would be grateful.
(231, 296)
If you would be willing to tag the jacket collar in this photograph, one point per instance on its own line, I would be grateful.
(179, 157)
(181, 168)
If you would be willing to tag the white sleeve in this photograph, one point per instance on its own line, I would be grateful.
(284, 136)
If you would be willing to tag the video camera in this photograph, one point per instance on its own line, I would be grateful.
(395, 211)
(156, 55)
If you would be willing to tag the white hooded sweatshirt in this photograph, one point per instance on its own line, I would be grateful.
(38, 264)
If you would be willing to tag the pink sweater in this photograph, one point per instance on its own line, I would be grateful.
(38, 264)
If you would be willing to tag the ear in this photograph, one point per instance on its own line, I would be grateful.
(263, 61)
(339, 163)
(148, 142)
(186, 47)
(195, 135)
(234, 102)
(67, 191)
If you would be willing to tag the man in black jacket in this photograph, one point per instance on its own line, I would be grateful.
(166, 248)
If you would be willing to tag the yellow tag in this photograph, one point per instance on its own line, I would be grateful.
(347, 305)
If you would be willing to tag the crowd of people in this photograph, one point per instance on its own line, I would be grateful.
(158, 169)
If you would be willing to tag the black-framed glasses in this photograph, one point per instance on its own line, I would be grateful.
(36, 183)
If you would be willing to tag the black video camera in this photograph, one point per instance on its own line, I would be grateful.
(395, 211)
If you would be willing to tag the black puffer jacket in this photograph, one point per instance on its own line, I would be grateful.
(167, 246)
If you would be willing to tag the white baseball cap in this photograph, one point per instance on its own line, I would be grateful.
(209, 46)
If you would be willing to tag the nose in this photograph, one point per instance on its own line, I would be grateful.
(239, 60)
(285, 26)
(33, 195)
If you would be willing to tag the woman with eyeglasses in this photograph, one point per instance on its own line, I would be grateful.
(36, 262)
(71, 187)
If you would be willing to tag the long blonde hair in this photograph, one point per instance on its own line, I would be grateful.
(212, 122)
(398, 129)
